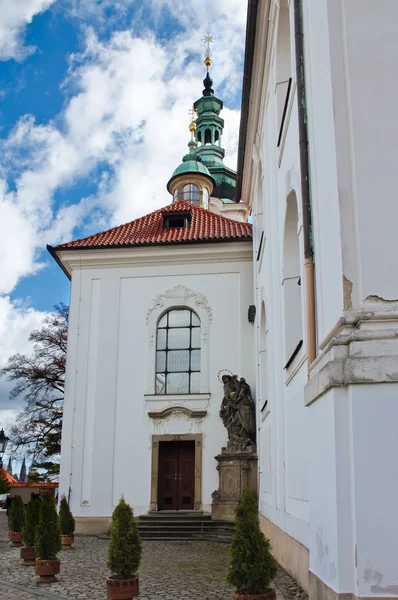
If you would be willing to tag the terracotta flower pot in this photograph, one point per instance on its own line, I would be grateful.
(15, 538)
(122, 589)
(267, 595)
(47, 569)
(28, 555)
(67, 541)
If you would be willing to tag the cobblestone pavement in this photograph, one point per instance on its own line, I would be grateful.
(173, 570)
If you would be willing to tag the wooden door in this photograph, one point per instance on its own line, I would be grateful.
(186, 475)
(176, 483)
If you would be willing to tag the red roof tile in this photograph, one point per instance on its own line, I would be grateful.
(205, 226)
(8, 477)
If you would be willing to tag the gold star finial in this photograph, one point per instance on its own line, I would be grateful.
(208, 39)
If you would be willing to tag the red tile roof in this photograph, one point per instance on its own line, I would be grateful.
(8, 477)
(41, 484)
(14, 483)
(205, 226)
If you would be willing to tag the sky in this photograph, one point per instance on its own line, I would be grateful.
(94, 101)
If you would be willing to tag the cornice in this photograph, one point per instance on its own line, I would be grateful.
(362, 348)
(181, 254)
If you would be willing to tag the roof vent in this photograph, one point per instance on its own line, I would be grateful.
(178, 220)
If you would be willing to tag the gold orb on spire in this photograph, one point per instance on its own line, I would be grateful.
(208, 39)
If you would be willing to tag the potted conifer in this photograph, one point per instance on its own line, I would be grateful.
(124, 554)
(47, 542)
(252, 566)
(16, 519)
(28, 553)
(67, 524)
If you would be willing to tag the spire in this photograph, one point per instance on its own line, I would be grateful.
(22, 475)
(192, 144)
(9, 466)
(208, 82)
(208, 133)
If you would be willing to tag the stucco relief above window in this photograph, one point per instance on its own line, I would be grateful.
(179, 297)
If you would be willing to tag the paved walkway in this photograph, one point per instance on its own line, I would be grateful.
(170, 571)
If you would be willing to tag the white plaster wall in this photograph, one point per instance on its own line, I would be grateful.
(106, 420)
(283, 435)
(375, 486)
(321, 478)
(371, 46)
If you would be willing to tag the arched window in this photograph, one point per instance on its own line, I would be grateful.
(205, 197)
(175, 197)
(178, 353)
(199, 137)
(217, 136)
(292, 280)
(190, 193)
(207, 136)
(283, 66)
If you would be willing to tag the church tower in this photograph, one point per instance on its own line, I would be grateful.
(192, 180)
(202, 178)
(209, 129)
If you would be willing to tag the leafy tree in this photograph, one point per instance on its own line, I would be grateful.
(16, 514)
(125, 549)
(5, 486)
(39, 380)
(67, 522)
(32, 515)
(252, 566)
(48, 533)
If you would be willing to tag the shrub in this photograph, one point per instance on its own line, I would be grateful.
(48, 534)
(31, 521)
(16, 514)
(252, 566)
(125, 550)
(66, 520)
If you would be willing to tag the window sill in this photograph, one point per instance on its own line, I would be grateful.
(176, 397)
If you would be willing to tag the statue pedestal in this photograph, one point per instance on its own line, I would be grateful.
(235, 471)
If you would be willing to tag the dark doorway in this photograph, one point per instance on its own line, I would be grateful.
(176, 485)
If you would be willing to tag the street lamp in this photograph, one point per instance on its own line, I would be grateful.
(3, 445)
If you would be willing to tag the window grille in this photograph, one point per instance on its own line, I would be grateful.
(178, 353)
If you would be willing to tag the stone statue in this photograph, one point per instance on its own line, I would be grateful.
(238, 414)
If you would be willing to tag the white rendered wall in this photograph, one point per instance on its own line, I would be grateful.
(283, 424)
(106, 444)
(328, 474)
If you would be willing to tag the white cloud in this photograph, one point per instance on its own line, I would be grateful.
(15, 15)
(127, 115)
(16, 323)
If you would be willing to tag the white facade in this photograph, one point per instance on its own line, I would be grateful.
(328, 446)
(117, 299)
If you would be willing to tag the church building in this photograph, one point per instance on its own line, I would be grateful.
(158, 313)
(167, 309)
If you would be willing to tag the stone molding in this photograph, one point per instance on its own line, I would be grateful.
(180, 296)
(177, 410)
(362, 348)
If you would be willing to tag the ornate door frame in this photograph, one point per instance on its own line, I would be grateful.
(197, 438)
